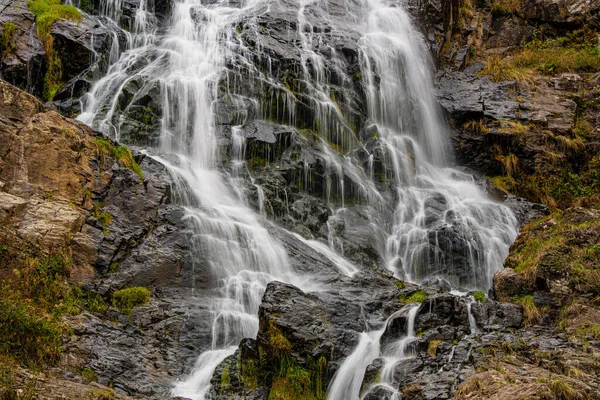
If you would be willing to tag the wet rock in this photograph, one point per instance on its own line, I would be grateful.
(464, 95)
(23, 63)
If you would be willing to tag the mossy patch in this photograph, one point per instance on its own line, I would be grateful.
(48, 11)
(479, 296)
(294, 382)
(126, 299)
(121, 154)
(417, 297)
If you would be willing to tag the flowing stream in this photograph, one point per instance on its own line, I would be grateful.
(432, 211)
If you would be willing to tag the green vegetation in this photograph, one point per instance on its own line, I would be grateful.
(577, 52)
(400, 284)
(100, 395)
(121, 153)
(257, 162)
(531, 314)
(479, 296)
(89, 375)
(294, 382)
(8, 35)
(34, 295)
(27, 335)
(248, 374)
(277, 340)
(560, 243)
(417, 297)
(225, 381)
(47, 12)
(560, 389)
(126, 299)
(432, 348)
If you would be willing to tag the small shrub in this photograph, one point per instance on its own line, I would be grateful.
(126, 299)
(8, 35)
(479, 296)
(26, 336)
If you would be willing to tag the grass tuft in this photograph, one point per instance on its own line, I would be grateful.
(126, 299)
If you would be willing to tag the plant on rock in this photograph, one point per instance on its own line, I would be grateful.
(126, 299)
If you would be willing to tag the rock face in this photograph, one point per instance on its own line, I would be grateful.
(82, 49)
(23, 63)
(54, 185)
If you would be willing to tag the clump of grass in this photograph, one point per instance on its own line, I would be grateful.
(531, 313)
(124, 156)
(46, 13)
(27, 335)
(510, 163)
(432, 348)
(502, 69)
(560, 388)
(280, 344)
(126, 299)
(8, 35)
(249, 374)
(294, 382)
(121, 153)
(479, 296)
(577, 52)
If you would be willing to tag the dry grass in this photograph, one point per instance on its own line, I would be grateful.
(503, 69)
(510, 163)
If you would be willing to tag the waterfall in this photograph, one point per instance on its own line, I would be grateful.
(437, 222)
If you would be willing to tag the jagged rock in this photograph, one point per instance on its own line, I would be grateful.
(465, 95)
(24, 63)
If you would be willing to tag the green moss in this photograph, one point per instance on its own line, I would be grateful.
(400, 284)
(124, 156)
(225, 381)
(294, 382)
(417, 297)
(257, 161)
(249, 375)
(588, 331)
(280, 344)
(113, 267)
(479, 296)
(121, 153)
(126, 299)
(48, 11)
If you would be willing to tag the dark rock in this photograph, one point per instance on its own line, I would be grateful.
(23, 65)
(508, 284)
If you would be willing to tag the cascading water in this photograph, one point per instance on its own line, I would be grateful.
(441, 223)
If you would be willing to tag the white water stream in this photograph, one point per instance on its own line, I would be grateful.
(186, 65)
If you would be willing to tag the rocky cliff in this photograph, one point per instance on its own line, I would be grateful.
(86, 224)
